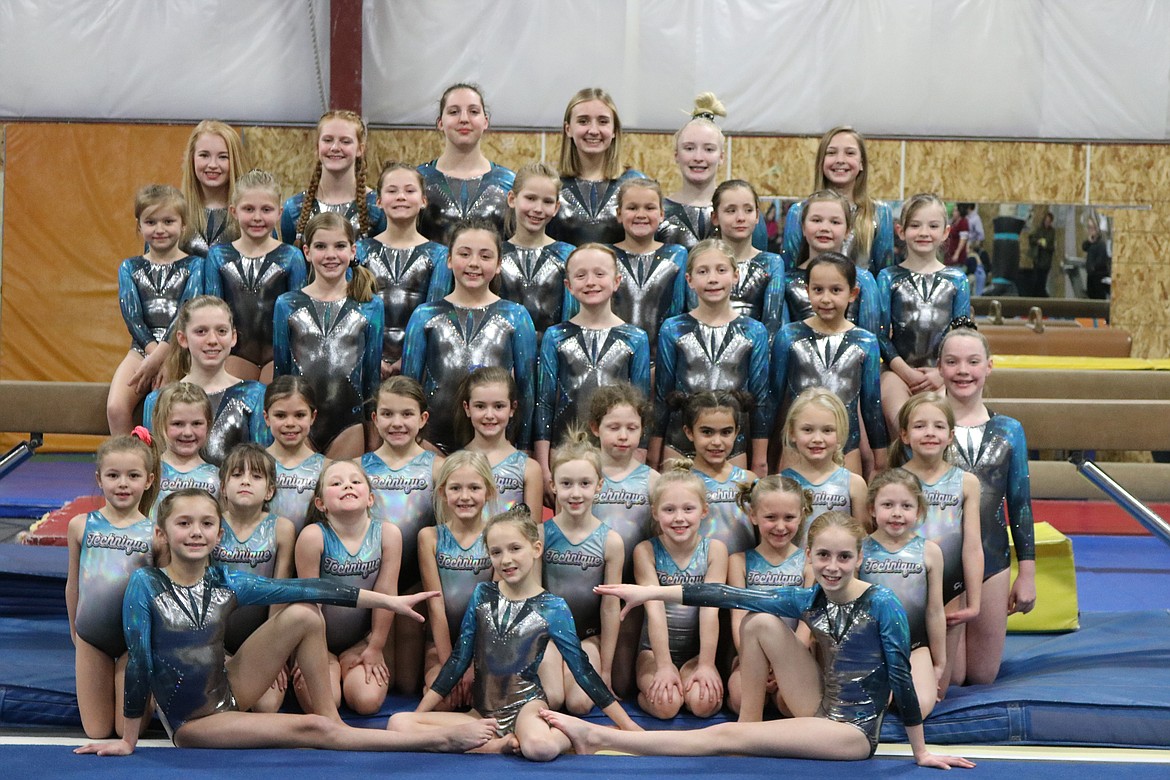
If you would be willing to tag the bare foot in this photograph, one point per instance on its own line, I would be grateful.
(584, 736)
(506, 745)
(468, 736)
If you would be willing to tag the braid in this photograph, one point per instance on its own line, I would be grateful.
(309, 205)
(363, 208)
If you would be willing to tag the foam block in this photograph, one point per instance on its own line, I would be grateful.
(1056, 585)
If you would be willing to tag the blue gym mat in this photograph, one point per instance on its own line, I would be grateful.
(41, 486)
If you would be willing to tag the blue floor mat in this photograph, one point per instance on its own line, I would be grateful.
(40, 486)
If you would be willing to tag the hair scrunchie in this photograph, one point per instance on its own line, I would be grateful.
(142, 435)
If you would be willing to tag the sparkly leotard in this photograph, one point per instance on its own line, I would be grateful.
(255, 555)
(509, 477)
(831, 494)
(238, 417)
(251, 285)
(624, 505)
(292, 212)
(445, 342)
(407, 278)
(176, 636)
(109, 555)
(575, 361)
(571, 571)
(881, 251)
(218, 229)
(652, 288)
(451, 200)
(345, 626)
(761, 575)
(863, 311)
(337, 347)
(997, 454)
(294, 489)
(944, 526)
(904, 572)
(916, 310)
(507, 640)
(682, 621)
(725, 520)
(758, 292)
(460, 570)
(862, 647)
(205, 476)
(151, 294)
(535, 278)
(404, 497)
(588, 211)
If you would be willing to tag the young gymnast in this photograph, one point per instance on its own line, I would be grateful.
(842, 166)
(896, 556)
(580, 552)
(289, 409)
(409, 269)
(698, 152)
(338, 184)
(348, 546)
(105, 547)
(919, 298)
(926, 428)
(151, 288)
(180, 422)
(593, 349)
(330, 333)
(814, 436)
(251, 272)
(488, 398)
(993, 448)
(202, 341)
(778, 507)
(461, 183)
(470, 327)
(590, 166)
(213, 163)
(837, 697)
(615, 414)
(759, 289)
(505, 631)
(712, 347)
(255, 540)
(676, 663)
(174, 619)
(532, 265)
(652, 275)
(402, 474)
(452, 559)
(827, 350)
(825, 223)
(711, 424)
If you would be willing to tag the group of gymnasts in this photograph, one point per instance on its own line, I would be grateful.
(358, 415)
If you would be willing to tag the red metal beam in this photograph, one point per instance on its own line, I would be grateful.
(345, 54)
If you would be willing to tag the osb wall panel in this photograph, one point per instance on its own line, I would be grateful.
(996, 170)
(650, 153)
(776, 166)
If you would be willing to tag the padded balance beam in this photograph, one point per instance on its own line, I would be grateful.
(1090, 385)
(53, 407)
(1058, 479)
(1082, 424)
(1073, 342)
(1069, 308)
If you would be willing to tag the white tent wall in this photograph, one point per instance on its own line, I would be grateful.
(162, 60)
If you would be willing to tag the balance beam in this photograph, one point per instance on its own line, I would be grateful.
(1088, 385)
(53, 407)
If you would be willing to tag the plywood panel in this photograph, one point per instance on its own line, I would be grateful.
(1132, 173)
(996, 171)
(776, 166)
(653, 155)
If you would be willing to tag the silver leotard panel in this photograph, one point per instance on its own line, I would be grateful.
(251, 285)
(683, 224)
(460, 570)
(150, 295)
(650, 289)
(725, 520)
(294, 489)
(535, 278)
(199, 244)
(759, 574)
(239, 417)
(944, 526)
(920, 307)
(406, 279)
(404, 497)
(904, 572)
(624, 505)
(255, 555)
(832, 494)
(109, 555)
(588, 212)
(571, 571)
(450, 200)
(682, 621)
(345, 626)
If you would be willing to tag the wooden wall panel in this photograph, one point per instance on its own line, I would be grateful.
(776, 166)
(997, 170)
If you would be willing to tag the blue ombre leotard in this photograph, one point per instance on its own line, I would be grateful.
(694, 356)
(451, 200)
(944, 526)
(761, 575)
(997, 454)
(407, 278)
(687, 225)
(652, 287)
(535, 278)
(725, 520)
(881, 251)
(150, 295)
(337, 347)
(255, 555)
(205, 476)
(251, 285)
(109, 555)
(904, 572)
(916, 309)
(509, 478)
(176, 636)
(238, 417)
(624, 505)
(292, 212)
(444, 343)
(758, 292)
(460, 570)
(571, 571)
(346, 626)
(404, 497)
(588, 211)
(862, 647)
(507, 640)
(682, 622)
(847, 364)
(863, 311)
(831, 494)
(294, 489)
(575, 361)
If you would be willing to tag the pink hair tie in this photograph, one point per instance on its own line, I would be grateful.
(141, 434)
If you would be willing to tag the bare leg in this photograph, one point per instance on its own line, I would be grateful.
(422, 722)
(818, 738)
(365, 697)
(266, 373)
(576, 700)
(122, 399)
(406, 637)
(766, 642)
(865, 451)
(693, 696)
(984, 636)
(626, 655)
(956, 667)
(349, 444)
(740, 460)
(734, 687)
(925, 683)
(665, 706)
(244, 369)
(552, 677)
(538, 740)
(853, 461)
(894, 394)
(95, 689)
